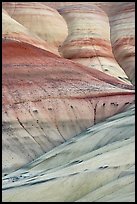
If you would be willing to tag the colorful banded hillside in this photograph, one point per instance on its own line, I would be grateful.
(68, 100)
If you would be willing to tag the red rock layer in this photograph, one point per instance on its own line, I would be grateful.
(13, 30)
(88, 40)
(40, 19)
(122, 22)
(47, 99)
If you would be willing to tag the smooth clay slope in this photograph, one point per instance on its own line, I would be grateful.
(48, 99)
(48, 102)
(96, 166)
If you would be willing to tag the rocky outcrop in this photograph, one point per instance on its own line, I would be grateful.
(40, 19)
(88, 40)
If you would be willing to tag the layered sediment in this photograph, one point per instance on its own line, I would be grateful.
(68, 102)
(122, 22)
(41, 20)
(13, 30)
(48, 99)
(122, 31)
(88, 40)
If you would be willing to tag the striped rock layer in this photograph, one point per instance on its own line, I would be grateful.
(47, 99)
(40, 19)
(12, 30)
(122, 22)
(88, 40)
(103, 5)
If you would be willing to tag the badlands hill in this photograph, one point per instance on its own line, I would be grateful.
(68, 76)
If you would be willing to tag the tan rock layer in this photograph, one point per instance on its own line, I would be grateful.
(40, 19)
(125, 11)
(122, 22)
(88, 40)
(12, 30)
